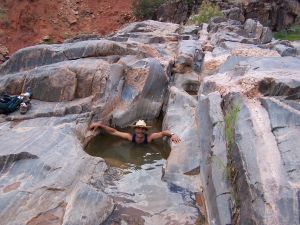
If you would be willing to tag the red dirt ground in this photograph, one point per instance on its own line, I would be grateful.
(27, 22)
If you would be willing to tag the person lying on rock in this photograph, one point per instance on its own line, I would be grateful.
(139, 136)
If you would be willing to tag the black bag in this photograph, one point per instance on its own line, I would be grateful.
(9, 104)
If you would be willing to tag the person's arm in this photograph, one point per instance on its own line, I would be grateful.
(111, 131)
(165, 133)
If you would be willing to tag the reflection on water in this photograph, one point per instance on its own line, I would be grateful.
(124, 154)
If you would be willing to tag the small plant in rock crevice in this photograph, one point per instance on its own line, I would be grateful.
(206, 12)
(230, 119)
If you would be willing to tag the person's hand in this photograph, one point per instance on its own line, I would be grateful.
(94, 126)
(175, 139)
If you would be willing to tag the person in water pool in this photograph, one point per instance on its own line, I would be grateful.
(140, 136)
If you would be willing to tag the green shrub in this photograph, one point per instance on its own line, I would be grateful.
(293, 34)
(146, 9)
(206, 12)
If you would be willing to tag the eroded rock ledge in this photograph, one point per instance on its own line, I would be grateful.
(141, 71)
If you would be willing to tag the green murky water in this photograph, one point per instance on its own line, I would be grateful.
(126, 155)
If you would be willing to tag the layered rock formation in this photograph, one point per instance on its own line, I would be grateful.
(277, 14)
(146, 69)
(177, 11)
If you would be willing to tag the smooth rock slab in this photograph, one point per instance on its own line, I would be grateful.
(40, 55)
(213, 159)
(46, 176)
(180, 167)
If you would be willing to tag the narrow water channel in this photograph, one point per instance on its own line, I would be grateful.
(134, 181)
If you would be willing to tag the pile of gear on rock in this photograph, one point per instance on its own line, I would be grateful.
(9, 104)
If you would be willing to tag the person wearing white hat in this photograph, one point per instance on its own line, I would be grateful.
(140, 136)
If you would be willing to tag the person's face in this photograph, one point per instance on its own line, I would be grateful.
(139, 130)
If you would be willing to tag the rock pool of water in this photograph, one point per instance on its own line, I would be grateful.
(135, 182)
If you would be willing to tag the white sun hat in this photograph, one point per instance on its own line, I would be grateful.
(142, 124)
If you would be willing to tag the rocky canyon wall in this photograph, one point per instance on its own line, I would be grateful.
(277, 14)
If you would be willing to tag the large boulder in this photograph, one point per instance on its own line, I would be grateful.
(142, 94)
(147, 32)
(252, 32)
(62, 81)
(190, 55)
(285, 50)
(32, 57)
